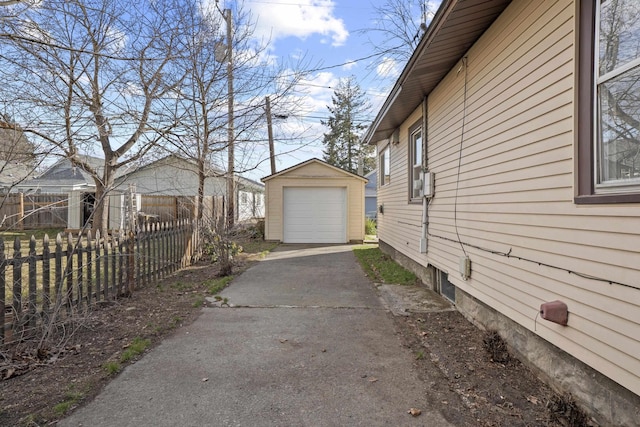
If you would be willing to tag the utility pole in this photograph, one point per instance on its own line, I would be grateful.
(231, 187)
(272, 154)
(228, 56)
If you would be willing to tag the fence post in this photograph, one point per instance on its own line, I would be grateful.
(68, 276)
(138, 257)
(89, 251)
(58, 273)
(105, 253)
(131, 262)
(79, 249)
(172, 245)
(33, 288)
(114, 259)
(17, 284)
(46, 276)
(165, 249)
(98, 262)
(21, 220)
(3, 282)
(155, 232)
(121, 263)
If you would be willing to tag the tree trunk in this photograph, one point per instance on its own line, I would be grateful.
(200, 202)
(101, 208)
(101, 211)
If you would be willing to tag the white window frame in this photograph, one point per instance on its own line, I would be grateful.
(416, 166)
(611, 185)
(384, 160)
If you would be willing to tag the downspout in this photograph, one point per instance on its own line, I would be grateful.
(425, 167)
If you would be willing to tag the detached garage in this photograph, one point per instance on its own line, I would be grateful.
(314, 202)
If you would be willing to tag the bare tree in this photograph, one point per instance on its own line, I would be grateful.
(203, 95)
(398, 27)
(7, 3)
(94, 76)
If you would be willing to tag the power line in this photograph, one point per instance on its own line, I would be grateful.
(329, 67)
(282, 3)
(509, 254)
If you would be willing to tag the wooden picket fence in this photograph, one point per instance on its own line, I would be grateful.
(72, 274)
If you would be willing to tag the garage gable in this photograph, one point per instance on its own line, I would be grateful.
(313, 168)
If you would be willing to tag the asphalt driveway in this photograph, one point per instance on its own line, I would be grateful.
(306, 341)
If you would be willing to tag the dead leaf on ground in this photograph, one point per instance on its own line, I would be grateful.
(414, 412)
(533, 399)
(9, 373)
(373, 379)
(283, 340)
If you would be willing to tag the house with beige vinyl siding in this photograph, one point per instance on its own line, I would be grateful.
(509, 179)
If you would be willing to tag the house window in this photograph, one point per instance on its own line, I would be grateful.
(415, 161)
(608, 109)
(385, 176)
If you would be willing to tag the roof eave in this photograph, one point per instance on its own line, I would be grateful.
(453, 30)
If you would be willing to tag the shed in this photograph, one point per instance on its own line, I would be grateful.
(314, 202)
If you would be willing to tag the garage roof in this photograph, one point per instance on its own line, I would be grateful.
(314, 160)
(454, 29)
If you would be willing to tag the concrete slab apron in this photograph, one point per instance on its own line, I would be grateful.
(306, 343)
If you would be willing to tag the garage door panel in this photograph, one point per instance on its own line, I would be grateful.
(315, 215)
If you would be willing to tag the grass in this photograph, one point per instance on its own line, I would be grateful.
(112, 367)
(214, 286)
(179, 286)
(198, 301)
(136, 347)
(259, 247)
(70, 399)
(175, 322)
(381, 268)
(25, 235)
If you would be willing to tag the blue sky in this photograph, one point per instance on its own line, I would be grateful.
(328, 34)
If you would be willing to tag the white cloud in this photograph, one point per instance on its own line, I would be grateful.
(388, 68)
(349, 65)
(303, 19)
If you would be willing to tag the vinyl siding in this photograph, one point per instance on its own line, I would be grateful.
(515, 189)
(171, 177)
(400, 224)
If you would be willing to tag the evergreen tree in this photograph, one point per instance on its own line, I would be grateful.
(347, 122)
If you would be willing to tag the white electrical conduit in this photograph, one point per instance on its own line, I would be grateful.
(425, 166)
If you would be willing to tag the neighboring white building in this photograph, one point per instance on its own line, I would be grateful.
(169, 176)
(176, 176)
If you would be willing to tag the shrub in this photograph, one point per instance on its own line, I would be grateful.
(370, 226)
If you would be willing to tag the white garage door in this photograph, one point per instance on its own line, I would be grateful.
(315, 215)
